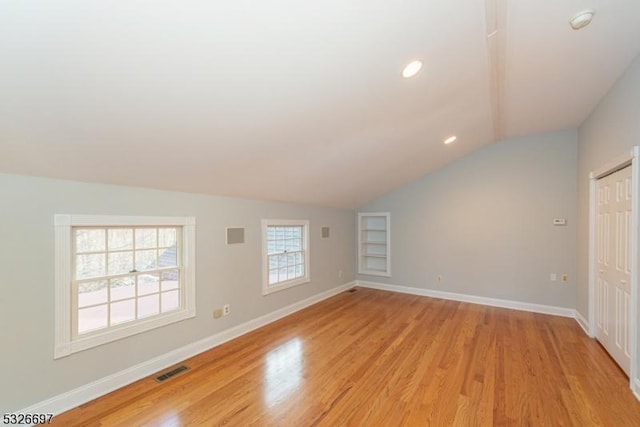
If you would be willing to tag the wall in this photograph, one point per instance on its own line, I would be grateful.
(609, 132)
(485, 223)
(225, 274)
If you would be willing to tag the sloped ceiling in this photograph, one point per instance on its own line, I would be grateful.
(289, 100)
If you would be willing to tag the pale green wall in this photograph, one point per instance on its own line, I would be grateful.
(485, 223)
(609, 132)
(225, 274)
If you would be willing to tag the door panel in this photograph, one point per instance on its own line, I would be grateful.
(613, 227)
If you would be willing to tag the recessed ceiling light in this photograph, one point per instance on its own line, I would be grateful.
(582, 19)
(411, 69)
(450, 139)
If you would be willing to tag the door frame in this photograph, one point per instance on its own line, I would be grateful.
(629, 158)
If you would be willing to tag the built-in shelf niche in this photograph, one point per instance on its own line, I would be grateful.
(374, 244)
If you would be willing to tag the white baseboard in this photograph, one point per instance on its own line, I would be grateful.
(584, 324)
(95, 389)
(494, 302)
(636, 388)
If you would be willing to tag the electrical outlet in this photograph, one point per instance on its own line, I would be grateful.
(217, 313)
(339, 274)
(439, 278)
(226, 310)
(565, 277)
(554, 277)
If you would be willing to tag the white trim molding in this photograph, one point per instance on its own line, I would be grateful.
(584, 324)
(636, 388)
(102, 386)
(473, 299)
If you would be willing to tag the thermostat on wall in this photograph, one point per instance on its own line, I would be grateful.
(559, 221)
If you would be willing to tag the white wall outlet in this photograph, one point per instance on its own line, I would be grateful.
(339, 274)
(439, 278)
(226, 310)
(554, 277)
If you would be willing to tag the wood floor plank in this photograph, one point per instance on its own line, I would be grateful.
(375, 358)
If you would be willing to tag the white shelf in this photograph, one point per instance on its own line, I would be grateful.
(374, 256)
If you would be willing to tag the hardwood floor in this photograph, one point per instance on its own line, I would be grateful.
(379, 358)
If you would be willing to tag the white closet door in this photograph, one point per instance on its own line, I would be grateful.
(613, 229)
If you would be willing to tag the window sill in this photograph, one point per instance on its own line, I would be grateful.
(284, 285)
(99, 338)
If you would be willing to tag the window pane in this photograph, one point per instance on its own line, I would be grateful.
(282, 274)
(120, 262)
(120, 239)
(273, 277)
(170, 300)
(170, 279)
(299, 258)
(271, 233)
(168, 257)
(92, 293)
(148, 306)
(90, 240)
(299, 271)
(168, 237)
(123, 287)
(291, 259)
(297, 232)
(123, 311)
(146, 238)
(282, 260)
(291, 272)
(146, 260)
(148, 284)
(273, 262)
(271, 247)
(90, 319)
(88, 266)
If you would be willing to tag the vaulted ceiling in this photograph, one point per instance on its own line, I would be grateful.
(291, 100)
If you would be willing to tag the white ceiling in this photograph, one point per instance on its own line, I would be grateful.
(290, 100)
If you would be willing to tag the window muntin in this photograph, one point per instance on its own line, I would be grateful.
(285, 254)
(123, 274)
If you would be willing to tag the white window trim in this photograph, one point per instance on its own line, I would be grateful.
(64, 343)
(269, 289)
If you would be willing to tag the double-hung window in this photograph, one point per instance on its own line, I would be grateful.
(118, 276)
(285, 254)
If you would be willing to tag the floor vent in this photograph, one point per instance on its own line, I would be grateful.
(171, 373)
(352, 290)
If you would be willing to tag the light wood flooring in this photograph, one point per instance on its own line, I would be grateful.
(372, 358)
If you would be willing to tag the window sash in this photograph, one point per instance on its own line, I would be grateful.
(134, 274)
(285, 236)
(285, 254)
